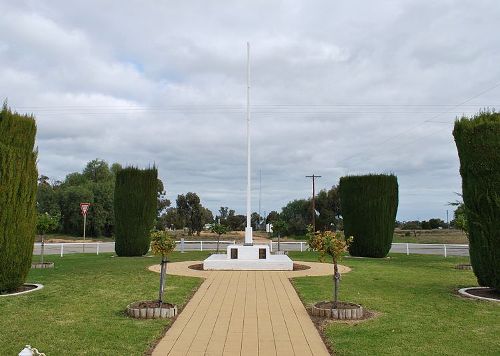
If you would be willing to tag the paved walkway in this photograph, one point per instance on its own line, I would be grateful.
(242, 313)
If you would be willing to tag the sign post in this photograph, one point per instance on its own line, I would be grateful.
(84, 207)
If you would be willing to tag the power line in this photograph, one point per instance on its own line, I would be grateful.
(428, 120)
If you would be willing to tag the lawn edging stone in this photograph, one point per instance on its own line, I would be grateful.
(40, 265)
(146, 310)
(348, 311)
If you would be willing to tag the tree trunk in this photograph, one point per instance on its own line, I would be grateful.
(163, 271)
(279, 242)
(336, 279)
(218, 241)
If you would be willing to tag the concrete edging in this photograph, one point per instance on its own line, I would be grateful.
(38, 287)
(463, 291)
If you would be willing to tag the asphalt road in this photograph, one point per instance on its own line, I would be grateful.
(425, 249)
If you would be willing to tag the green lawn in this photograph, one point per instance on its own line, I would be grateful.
(420, 312)
(81, 309)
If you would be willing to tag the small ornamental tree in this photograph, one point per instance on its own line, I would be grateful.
(135, 207)
(18, 185)
(279, 228)
(330, 244)
(162, 244)
(219, 229)
(478, 145)
(45, 223)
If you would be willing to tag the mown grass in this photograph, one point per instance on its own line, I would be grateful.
(420, 311)
(80, 311)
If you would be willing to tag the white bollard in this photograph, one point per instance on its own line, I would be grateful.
(301, 247)
(445, 251)
(97, 248)
(407, 249)
(201, 245)
(182, 244)
(62, 250)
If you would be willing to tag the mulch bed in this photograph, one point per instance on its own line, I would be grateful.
(296, 267)
(485, 293)
(23, 288)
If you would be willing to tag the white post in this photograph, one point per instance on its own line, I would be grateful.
(301, 247)
(62, 250)
(84, 224)
(248, 229)
(444, 251)
(407, 249)
(98, 248)
(201, 245)
(182, 244)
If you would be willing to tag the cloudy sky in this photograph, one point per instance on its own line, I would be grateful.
(338, 87)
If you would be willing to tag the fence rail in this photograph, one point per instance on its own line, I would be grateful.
(209, 245)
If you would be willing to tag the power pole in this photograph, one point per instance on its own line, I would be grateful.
(313, 201)
(260, 195)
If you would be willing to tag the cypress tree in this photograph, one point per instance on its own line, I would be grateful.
(18, 186)
(478, 145)
(369, 204)
(135, 210)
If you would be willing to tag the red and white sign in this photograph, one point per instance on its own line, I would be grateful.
(84, 207)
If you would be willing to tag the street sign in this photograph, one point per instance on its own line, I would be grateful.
(84, 207)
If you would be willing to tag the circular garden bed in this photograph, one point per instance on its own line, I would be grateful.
(482, 293)
(343, 310)
(23, 289)
(149, 309)
(464, 266)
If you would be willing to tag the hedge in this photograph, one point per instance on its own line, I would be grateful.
(18, 186)
(369, 204)
(478, 144)
(135, 210)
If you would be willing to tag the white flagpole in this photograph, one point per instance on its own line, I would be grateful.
(248, 230)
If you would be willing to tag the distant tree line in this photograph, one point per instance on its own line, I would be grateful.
(95, 185)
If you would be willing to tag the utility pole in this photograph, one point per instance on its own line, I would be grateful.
(447, 220)
(313, 201)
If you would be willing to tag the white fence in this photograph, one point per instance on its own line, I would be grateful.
(183, 246)
(62, 248)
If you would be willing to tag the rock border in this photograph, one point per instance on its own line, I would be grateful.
(463, 292)
(37, 287)
(151, 313)
(39, 265)
(464, 266)
(354, 313)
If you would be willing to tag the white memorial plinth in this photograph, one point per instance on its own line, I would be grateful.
(248, 258)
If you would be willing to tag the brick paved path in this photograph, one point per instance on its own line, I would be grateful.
(243, 313)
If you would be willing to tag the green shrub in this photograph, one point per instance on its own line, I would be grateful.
(369, 205)
(135, 210)
(478, 145)
(18, 185)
